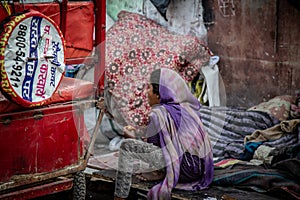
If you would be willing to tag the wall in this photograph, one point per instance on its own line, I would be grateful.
(257, 40)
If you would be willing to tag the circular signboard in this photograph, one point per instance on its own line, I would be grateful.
(32, 58)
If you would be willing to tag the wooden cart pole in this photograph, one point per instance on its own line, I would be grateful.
(96, 130)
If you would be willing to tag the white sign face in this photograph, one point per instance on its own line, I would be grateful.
(34, 60)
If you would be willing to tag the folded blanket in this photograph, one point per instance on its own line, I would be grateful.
(273, 133)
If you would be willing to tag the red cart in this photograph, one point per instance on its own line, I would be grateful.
(44, 149)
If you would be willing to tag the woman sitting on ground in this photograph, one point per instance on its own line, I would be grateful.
(177, 143)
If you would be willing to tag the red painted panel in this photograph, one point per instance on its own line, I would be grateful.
(78, 43)
(100, 13)
(68, 90)
(40, 140)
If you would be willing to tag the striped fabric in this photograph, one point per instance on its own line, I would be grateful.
(227, 128)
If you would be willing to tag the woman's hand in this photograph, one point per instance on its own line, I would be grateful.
(144, 139)
(129, 132)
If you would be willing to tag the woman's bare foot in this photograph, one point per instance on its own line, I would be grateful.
(151, 176)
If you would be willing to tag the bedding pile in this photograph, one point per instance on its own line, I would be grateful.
(257, 148)
(136, 46)
(227, 128)
(234, 132)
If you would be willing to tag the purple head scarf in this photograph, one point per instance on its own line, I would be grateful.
(180, 130)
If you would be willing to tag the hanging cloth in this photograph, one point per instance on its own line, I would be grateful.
(215, 91)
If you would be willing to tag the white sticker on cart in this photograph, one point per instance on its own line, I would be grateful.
(34, 60)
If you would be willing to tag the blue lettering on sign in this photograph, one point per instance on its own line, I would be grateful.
(52, 79)
(32, 63)
(56, 49)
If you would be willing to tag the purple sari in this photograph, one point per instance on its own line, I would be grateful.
(180, 131)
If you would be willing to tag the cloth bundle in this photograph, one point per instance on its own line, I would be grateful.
(136, 46)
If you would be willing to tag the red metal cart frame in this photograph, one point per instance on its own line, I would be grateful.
(27, 186)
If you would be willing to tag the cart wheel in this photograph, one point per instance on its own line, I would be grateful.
(79, 186)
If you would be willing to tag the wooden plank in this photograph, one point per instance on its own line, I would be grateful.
(142, 187)
(212, 193)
